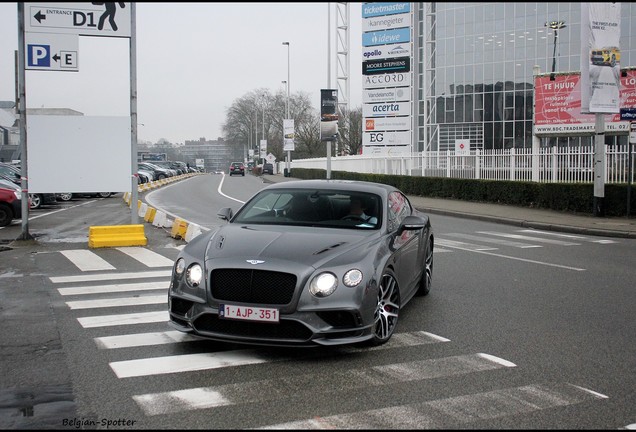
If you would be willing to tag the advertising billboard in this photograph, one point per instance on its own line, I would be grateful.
(558, 105)
(600, 57)
(328, 114)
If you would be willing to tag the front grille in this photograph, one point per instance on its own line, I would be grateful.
(253, 286)
(284, 330)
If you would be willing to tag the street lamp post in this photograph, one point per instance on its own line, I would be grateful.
(286, 98)
(288, 85)
(556, 26)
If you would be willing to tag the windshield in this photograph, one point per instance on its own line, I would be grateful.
(310, 207)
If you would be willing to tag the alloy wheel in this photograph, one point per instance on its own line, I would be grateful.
(387, 310)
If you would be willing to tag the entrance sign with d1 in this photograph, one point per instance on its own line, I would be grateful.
(85, 19)
(44, 51)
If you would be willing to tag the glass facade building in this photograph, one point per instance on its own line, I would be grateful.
(477, 63)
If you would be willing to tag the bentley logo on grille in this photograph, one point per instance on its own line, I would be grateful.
(255, 261)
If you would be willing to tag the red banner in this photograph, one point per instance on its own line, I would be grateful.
(559, 101)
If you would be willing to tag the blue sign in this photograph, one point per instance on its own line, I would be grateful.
(386, 37)
(378, 9)
(628, 114)
(38, 55)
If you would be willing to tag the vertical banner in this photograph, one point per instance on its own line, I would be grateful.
(600, 57)
(328, 114)
(288, 134)
(263, 148)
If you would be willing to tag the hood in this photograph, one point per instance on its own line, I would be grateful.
(306, 246)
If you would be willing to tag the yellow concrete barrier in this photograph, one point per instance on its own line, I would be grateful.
(150, 214)
(179, 228)
(116, 235)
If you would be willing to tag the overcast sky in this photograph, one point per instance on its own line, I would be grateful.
(193, 61)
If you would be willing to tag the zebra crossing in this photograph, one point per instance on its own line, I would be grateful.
(93, 295)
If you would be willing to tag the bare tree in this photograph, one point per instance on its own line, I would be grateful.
(350, 132)
(260, 111)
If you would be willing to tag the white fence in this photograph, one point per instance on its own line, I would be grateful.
(553, 164)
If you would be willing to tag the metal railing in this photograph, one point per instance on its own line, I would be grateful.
(550, 164)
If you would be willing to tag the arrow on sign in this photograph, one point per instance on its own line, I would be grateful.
(38, 16)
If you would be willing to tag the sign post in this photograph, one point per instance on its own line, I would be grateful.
(632, 141)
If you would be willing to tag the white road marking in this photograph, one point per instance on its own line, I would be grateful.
(118, 302)
(462, 245)
(524, 260)
(86, 260)
(110, 276)
(111, 288)
(186, 363)
(570, 236)
(491, 240)
(146, 256)
(437, 414)
(283, 387)
(523, 237)
(144, 339)
(124, 319)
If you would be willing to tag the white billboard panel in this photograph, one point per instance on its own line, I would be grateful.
(386, 109)
(288, 135)
(79, 154)
(386, 51)
(387, 124)
(387, 138)
(387, 151)
(402, 79)
(386, 22)
(396, 94)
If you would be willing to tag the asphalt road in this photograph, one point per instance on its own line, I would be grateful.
(523, 329)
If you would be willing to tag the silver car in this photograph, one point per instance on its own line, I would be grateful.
(295, 266)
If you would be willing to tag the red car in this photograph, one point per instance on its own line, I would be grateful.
(237, 168)
(10, 205)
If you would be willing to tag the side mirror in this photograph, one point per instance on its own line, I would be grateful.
(225, 214)
(411, 223)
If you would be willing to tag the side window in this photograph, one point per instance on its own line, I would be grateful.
(399, 208)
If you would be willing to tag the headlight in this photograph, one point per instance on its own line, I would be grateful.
(18, 194)
(352, 278)
(179, 267)
(194, 275)
(323, 285)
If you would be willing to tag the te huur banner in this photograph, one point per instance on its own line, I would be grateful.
(558, 105)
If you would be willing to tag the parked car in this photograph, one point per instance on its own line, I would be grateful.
(159, 172)
(10, 204)
(67, 196)
(10, 171)
(37, 200)
(283, 274)
(237, 168)
(12, 174)
(268, 168)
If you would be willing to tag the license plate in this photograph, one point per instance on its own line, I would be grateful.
(248, 313)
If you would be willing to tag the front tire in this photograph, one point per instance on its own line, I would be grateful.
(387, 310)
(6, 215)
(427, 275)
